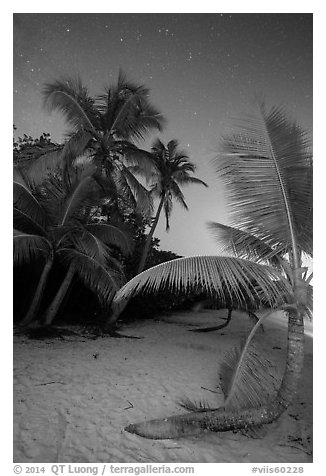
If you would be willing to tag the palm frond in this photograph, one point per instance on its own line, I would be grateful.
(227, 278)
(28, 247)
(80, 192)
(43, 163)
(158, 147)
(184, 179)
(25, 223)
(40, 166)
(140, 161)
(103, 282)
(129, 112)
(19, 176)
(149, 119)
(172, 148)
(25, 201)
(71, 98)
(178, 195)
(194, 406)
(243, 244)
(76, 146)
(248, 377)
(111, 235)
(261, 164)
(83, 241)
(137, 193)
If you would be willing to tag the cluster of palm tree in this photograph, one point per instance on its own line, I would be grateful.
(267, 169)
(53, 222)
(100, 162)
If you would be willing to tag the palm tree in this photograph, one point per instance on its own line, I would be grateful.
(267, 168)
(105, 129)
(171, 168)
(52, 222)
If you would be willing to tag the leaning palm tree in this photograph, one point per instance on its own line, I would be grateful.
(171, 169)
(52, 222)
(104, 129)
(267, 168)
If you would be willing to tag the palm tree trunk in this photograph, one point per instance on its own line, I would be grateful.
(224, 420)
(32, 311)
(55, 304)
(149, 237)
(110, 324)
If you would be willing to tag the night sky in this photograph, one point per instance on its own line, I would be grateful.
(202, 69)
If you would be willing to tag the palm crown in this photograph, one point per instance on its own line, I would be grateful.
(266, 166)
(172, 169)
(105, 129)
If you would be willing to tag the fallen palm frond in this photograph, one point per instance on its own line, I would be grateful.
(248, 380)
(194, 406)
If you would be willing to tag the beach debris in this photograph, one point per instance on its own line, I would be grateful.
(130, 406)
(209, 390)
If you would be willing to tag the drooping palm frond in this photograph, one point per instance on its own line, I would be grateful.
(26, 202)
(178, 195)
(111, 235)
(227, 278)
(139, 161)
(83, 241)
(145, 121)
(19, 176)
(102, 281)
(261, 164)
(26, 224)
(71, 98)
(28, 247)
(40, 165)
(183, 179)
(129, 186)
(243, 244)
(76, 147)
(127, 111)
(80, 193)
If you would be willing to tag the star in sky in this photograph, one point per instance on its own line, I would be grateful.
(201, 69)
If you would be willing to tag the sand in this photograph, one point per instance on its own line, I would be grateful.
(74, 396)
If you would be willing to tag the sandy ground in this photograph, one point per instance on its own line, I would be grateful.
(73, 397)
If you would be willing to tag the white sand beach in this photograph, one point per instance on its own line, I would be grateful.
(73, 397)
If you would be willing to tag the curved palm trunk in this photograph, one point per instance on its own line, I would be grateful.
(149, 236)
(34, 307)
(224, 420)
(215, 328)
(55, 304)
